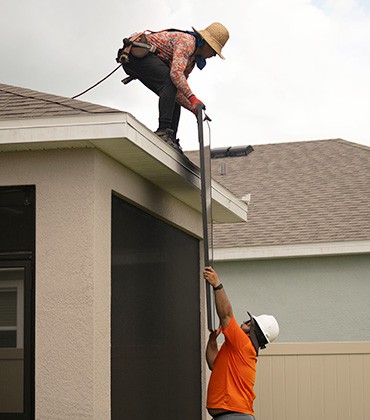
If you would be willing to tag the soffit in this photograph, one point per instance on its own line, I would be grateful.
(123, 138)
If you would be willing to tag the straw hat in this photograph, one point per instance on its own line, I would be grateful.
(216, 35)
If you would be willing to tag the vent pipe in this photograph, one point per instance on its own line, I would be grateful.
(231, 151)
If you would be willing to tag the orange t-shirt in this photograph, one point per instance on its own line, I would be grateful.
(232, 380)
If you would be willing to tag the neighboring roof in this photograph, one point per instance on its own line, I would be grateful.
(301, 193)
(32, 120)
(18, 103)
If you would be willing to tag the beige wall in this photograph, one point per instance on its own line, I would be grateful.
(320, 381)
(73, 244)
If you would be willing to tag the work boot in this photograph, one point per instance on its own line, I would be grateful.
(167, 134)
(176, 145)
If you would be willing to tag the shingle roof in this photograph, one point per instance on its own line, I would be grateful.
(18, 103)
(301, 192)
(120, 137)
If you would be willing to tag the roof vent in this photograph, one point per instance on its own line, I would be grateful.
(231, 151)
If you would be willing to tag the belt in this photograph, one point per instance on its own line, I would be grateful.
(227, 413)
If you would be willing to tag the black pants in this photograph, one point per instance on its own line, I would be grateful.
(155, 75)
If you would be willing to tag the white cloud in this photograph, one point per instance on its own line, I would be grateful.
(294, 69)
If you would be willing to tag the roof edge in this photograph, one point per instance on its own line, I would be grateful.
(118, 136)
(291, 251)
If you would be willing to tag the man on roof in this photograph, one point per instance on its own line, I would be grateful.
(165, 66)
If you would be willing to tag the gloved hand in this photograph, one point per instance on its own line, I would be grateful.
(194, 101)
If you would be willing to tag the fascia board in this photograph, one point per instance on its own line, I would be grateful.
(120, 136)
(291, 251)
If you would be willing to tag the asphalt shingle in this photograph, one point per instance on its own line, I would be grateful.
(19, 103)
(301, 192)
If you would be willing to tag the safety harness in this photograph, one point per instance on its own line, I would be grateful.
(137, 45)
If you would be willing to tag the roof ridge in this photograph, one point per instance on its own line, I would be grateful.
(336, 140)
(300, 142)
(353, 144)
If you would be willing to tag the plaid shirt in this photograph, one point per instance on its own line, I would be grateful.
(177, 49)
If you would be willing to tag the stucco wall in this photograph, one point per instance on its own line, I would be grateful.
(73, 244)
(314, 299)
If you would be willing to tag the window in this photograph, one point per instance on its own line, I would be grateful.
(17, 302)
(155, 319)
(11, 307)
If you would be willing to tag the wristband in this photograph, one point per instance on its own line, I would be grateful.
(219, 287)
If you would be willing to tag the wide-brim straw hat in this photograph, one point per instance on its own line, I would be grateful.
(216, 35)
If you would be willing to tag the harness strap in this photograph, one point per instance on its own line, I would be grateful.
(124, 52)
(140, 49)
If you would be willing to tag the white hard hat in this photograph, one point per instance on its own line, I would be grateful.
(269, 326)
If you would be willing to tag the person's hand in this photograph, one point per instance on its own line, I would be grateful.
(214, 334)
(211, 276)
(194, 101)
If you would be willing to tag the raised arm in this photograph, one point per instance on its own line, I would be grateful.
(223, 305)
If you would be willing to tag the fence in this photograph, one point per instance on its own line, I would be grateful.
(313, 381)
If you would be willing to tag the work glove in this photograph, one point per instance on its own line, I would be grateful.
(194, 101)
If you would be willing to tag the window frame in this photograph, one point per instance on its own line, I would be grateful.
(18, 249)
(18, 286)
(24, 260)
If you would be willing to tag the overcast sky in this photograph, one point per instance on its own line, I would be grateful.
(295, 69)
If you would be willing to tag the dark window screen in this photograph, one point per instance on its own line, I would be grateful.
(17, 302)
(155, 323)
(17, 219)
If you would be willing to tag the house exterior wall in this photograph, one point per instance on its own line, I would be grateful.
(64, 352)
(314, 299)
(73, 211)
(319, 367)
